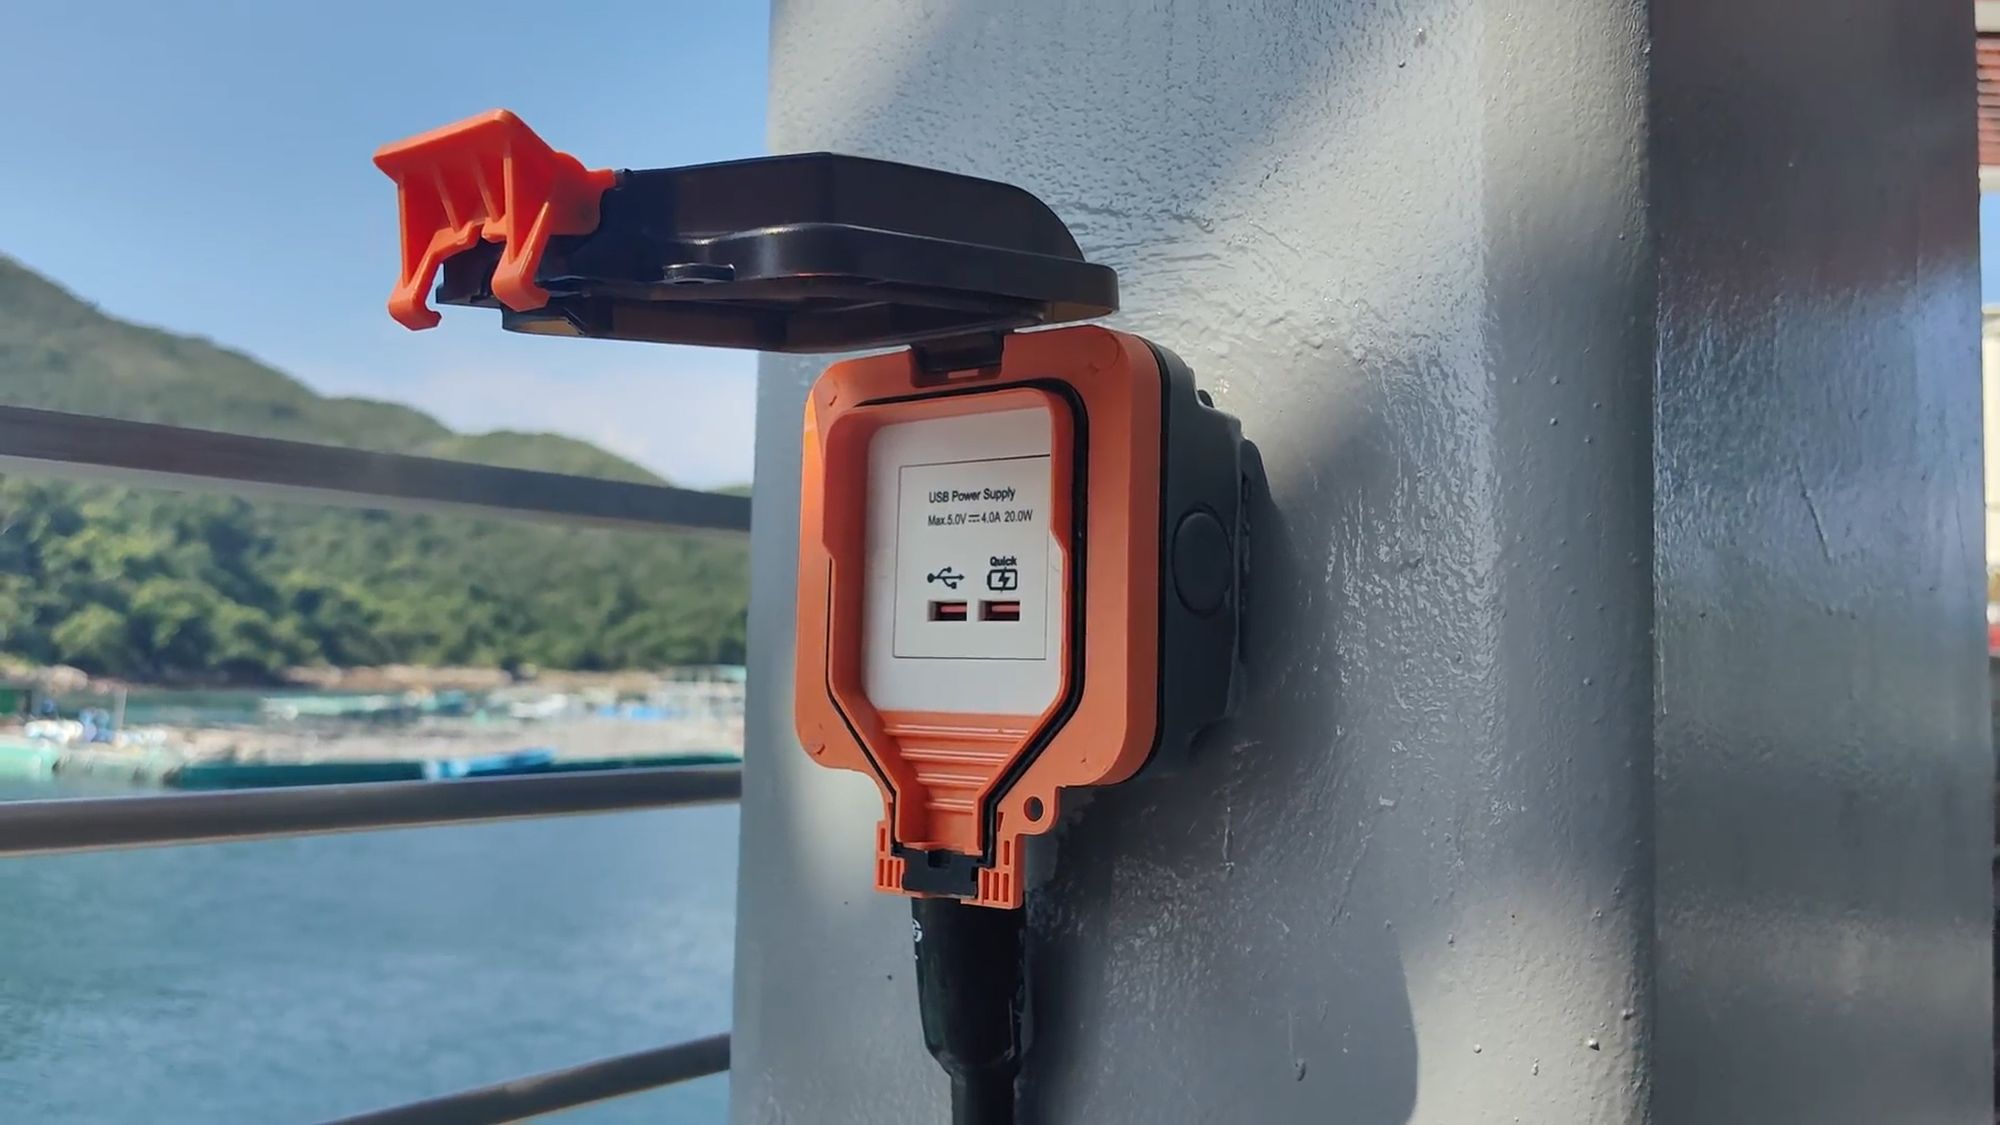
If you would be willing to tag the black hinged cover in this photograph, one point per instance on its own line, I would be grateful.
(806, 253)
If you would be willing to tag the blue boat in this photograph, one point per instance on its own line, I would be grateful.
(489, 765)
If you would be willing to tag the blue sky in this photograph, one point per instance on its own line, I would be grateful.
(204, 166)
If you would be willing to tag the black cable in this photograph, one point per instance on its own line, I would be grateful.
(982, 1102)
(969, 992)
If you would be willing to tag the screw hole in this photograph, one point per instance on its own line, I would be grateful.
(1033, 808)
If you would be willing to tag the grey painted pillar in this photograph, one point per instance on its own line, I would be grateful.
(1616, 746)
(1823, 824)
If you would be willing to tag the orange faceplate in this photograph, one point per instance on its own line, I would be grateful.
(486, 177)
(967, 783)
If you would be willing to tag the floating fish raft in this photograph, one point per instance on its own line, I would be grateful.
(33, 759)
(268, 775)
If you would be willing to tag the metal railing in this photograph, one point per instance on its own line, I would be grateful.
(89, 824)
(145, 453)
(561, 1089)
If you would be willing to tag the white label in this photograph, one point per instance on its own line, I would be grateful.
(973, 534)
(963, 604)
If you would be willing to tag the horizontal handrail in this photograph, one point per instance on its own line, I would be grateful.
(561, 1089)
(84, 824)
(178, 457)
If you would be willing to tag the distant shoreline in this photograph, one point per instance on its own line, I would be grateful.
(64, 680)
(385, 714)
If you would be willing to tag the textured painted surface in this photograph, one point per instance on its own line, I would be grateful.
(1414, 882)
(1824, 770)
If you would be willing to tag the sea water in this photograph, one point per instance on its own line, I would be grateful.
(297, 980)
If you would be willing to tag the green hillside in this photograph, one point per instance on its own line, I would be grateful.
(157, 584)
(551, 452)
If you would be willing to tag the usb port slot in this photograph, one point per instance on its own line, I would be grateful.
(999, 611)
(948, 611)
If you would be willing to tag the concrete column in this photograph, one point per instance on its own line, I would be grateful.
(1615, 748)
(1823, 802)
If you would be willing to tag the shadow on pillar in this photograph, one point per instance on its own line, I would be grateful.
(1157, 964)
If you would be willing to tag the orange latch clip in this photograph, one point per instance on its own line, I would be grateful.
(485, 177)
